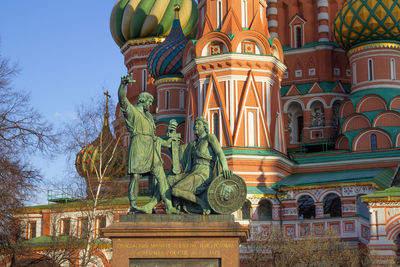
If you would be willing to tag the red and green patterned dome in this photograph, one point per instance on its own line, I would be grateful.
(132, 19)
(166, 58)
(361, 21)
(88, 159)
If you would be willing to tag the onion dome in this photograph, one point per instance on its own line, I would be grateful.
(132, 19)
(360, 21)
(102, 148)
(166, 58)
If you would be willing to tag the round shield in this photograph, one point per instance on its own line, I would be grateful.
(227, 195)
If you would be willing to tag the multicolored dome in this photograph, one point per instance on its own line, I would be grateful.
(361, 21)
(166, 58)
(88, 159)
(151, 18)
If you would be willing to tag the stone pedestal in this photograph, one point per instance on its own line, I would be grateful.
(176, 240)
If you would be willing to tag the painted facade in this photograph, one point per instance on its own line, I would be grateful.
(304, 97)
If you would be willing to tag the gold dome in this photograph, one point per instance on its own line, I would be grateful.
(361, 21)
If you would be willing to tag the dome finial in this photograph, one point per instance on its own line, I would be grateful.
(106, 115)
(177, 7)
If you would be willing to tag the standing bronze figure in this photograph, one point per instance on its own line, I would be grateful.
(144, 154)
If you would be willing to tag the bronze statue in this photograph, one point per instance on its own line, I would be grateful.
(200, 161)
(206, 184)
(144, 155)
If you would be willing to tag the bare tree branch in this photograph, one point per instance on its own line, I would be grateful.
(23, 132)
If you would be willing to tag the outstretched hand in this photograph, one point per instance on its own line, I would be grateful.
(125, 79)
(171, 128)
(227, 173)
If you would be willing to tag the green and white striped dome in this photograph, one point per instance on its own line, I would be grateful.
(131, 19)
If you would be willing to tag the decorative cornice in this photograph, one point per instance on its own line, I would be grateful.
(142, 41)
(328, 185)
(281, 196)
(169, 80)
(379, 202)
(239, 56)
(359, 48)
(381, 199)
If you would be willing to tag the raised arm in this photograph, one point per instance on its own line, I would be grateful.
(123, 100)
(220, 154)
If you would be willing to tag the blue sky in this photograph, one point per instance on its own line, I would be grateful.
(66, 55)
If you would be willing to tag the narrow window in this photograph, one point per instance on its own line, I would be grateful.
(297, 36)
(182, 99)
(216, 124)
(244, 13)
(262, 13)
(354, 74)
(392, 69)
(84, 228)
(202, 15)
(374, 143)
(167, 99)
(370, 70)
(219, 14)
(101, 224)
(246, 214)
(32, 230)
(66, 226)
(144, 80)
(252, 130)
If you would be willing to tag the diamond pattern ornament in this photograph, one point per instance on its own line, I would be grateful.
(362, 21)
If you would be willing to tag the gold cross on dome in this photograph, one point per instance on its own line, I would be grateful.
(107, 97)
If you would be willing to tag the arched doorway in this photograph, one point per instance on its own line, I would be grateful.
(295, 123)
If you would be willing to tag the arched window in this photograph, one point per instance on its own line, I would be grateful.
(295, 122)
(216, 124)
(219, 14)
(374, 142)
(362, 208)
(297, 36)
(306, 207)
(246, 214)
(252, 131)
(317, 114)
(181, 99)
(244, 13)
(144, 80)
(354, 74)
(332, 205)
(392, 69)
(167, 99)
(370, 70)
(264, 210)
(335, 115)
